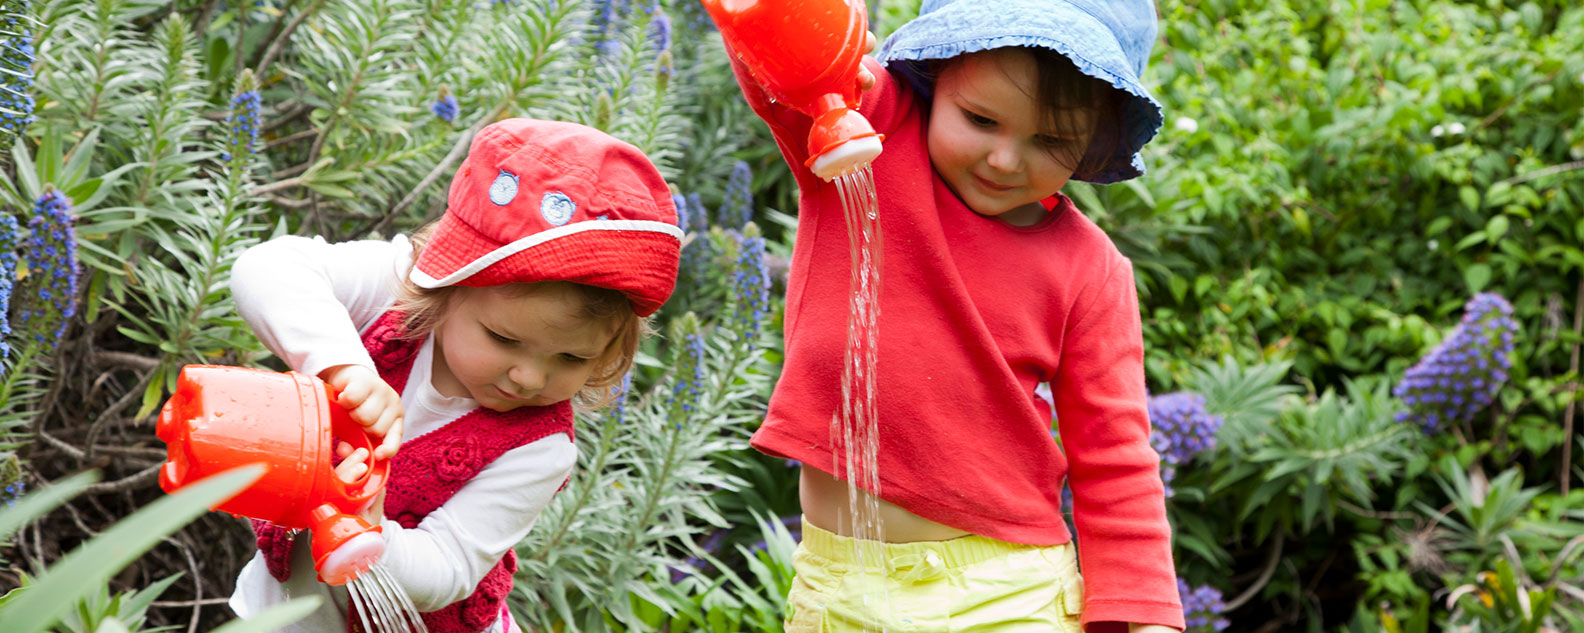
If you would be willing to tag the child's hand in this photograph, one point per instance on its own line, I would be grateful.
(354, 462)
(866, 79)
(372, 403)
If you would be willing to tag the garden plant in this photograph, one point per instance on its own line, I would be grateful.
(1359, 245)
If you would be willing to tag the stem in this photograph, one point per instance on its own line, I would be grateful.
(1573, 367)
(263, 190)
(440, 169)
(602, 453)
(1265, 574)
(1541, 173)
(275, 31)
(114, 410)
(283, 37)
(131, 482)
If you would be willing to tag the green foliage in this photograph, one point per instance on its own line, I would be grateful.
(755, 601)
(75, 581)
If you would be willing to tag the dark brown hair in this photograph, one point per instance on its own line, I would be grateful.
(1067, 99)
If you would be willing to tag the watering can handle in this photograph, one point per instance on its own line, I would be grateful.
(343, 428)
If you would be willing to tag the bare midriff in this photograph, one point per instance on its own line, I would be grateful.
(824, 500)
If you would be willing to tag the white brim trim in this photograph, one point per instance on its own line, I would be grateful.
(424, 280)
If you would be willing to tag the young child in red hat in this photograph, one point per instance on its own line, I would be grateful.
(464, 345)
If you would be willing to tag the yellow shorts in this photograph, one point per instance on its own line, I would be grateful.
(969, 584)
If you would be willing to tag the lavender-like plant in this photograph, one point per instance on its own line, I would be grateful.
(10, 239)
(1202, 607)
(50, 289)
(688, 364)
(445, 105)
(242, 122)
(751, 284)
(16, 82)
(660, 29)
(1462, 374)
(1181, 428)
(736, 209)
(607, 23)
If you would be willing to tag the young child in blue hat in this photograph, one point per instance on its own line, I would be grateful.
(993, 284)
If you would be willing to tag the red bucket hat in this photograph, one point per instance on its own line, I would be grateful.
(554, 201)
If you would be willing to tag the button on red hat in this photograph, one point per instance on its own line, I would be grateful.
(554, 201)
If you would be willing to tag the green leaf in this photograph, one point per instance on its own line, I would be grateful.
(1496, 228)
(76, 166)
(1470, 197)
(25, 172)
(48, 161)
(1477, 276)
(274, 617)
(92, 564)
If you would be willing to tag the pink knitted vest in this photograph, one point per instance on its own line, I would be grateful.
(430, 469)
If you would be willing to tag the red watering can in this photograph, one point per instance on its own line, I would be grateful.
(806, 54)
(223, 417)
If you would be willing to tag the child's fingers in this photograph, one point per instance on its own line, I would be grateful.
(393, 437)
(353, 395)
(343, 450)
(869, 41)
(369, 413)
(353, 466)
(866, 79)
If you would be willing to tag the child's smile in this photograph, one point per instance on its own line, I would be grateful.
(508, 349)
(988, 139)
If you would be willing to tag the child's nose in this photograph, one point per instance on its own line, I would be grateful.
(1003, 156)
(528, 376)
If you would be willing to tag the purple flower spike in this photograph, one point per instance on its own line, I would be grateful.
(1461, 375)
(1202, 607)
(1181, 429)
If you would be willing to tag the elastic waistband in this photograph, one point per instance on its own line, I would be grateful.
(957, 552)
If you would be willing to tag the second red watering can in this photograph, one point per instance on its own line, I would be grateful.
(223, 417)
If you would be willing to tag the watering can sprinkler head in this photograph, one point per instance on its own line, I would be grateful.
(344, 546)
(223, 417)
(841, 141)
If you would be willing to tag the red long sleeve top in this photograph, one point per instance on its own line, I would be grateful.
(975, 313)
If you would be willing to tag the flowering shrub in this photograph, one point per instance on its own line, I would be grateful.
(10, 238)
(49, 297)
(242, 122)
(1181, 428)
(445, 105)
(1462, 374)
(751, 284)
(1202, 607)
(16, 84)
(737, 209)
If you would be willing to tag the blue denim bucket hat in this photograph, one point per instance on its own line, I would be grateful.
(1108, 40)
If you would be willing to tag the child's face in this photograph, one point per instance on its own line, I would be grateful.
(989, 140)
(507, 349)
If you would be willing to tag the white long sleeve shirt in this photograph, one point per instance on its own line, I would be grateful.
(309, 301)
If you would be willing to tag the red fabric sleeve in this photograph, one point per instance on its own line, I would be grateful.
(1124, 539)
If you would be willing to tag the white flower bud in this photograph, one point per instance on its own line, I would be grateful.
(1455, 128)
(1437, 131)
(1432, 244)
(1186, 125)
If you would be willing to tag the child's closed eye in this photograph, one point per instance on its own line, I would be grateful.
(1047, 140)
(574, 359)
(498, 338)
(977, 119)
